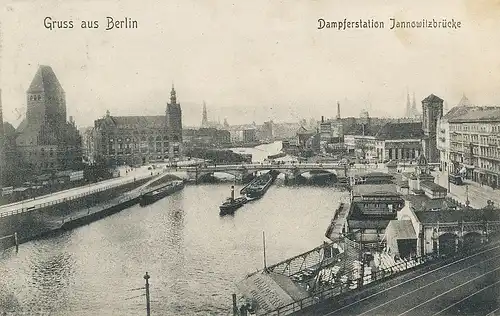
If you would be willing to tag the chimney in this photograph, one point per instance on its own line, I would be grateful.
(338, 110)
(232, 192)
(322, 119)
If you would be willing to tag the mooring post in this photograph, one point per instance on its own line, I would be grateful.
(148, 303)
(235, 307)
(16, 240)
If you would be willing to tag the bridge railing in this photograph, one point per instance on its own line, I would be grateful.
(306, 260)
(328, 290)
(335, 287)
(67, 199)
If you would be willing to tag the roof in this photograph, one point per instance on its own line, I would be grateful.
(375, 189)
(450, 216)
(270, 290)
(367, 224)
(406, 130)
(303, 130)
(375, 174)
(432, 98)
(458, 110)
(45, 80)
(136, 121)
(479, 114)
(433, 186)
(358, 129)
(401, 229)
(421, 203)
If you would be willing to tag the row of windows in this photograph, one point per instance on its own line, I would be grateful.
(476, 127)
(143, 139)
(38, 97)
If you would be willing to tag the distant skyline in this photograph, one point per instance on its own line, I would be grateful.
(250, 61)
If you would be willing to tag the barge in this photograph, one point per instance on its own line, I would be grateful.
(159, 193)
(259, 186)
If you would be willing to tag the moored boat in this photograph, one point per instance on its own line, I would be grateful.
(161, 192)
(259, 187)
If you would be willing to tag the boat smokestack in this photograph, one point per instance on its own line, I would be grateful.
(232, 192)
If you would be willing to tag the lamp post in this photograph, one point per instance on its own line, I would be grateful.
(467, 202)
(148, 303)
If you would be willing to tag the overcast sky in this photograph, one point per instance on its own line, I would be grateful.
(250, 60)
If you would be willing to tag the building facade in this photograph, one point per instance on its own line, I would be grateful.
(46, 141)
(475, 144)
(136, 140)
(443, 133)
(399, 141)
(432, 110)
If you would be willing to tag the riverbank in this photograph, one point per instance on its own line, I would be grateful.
(71, 214)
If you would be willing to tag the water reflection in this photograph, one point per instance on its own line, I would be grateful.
(193, 255)
(50, 278)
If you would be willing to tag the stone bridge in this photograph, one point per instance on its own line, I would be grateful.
(290, 170)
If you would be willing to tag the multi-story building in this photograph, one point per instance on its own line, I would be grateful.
(46, 141)
(139, 139)
(209, 137)
(432, 110)
(267, 131)
(398, 141)
(331, 131)
(475, 144)
(249, 135)
(443, 133)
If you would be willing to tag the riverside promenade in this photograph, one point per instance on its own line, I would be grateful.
(61, 196)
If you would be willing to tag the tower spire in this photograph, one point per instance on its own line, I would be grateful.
(408, 109)
(204, 118)
(414, 106)
(173, 97)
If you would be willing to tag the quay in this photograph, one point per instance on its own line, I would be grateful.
(77, 209)
(394, 225)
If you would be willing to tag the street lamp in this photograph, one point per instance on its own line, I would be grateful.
(467, 202)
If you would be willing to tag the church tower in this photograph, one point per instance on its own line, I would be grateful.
(46, 110)
(432, 110)
(174, 125)
(204, 118)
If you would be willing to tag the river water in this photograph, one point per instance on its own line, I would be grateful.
(194, 256)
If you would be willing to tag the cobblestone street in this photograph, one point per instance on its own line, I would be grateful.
(478, 194)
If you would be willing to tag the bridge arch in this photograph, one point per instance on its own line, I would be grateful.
(472, 240)
(448, 243)
(300, 172)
